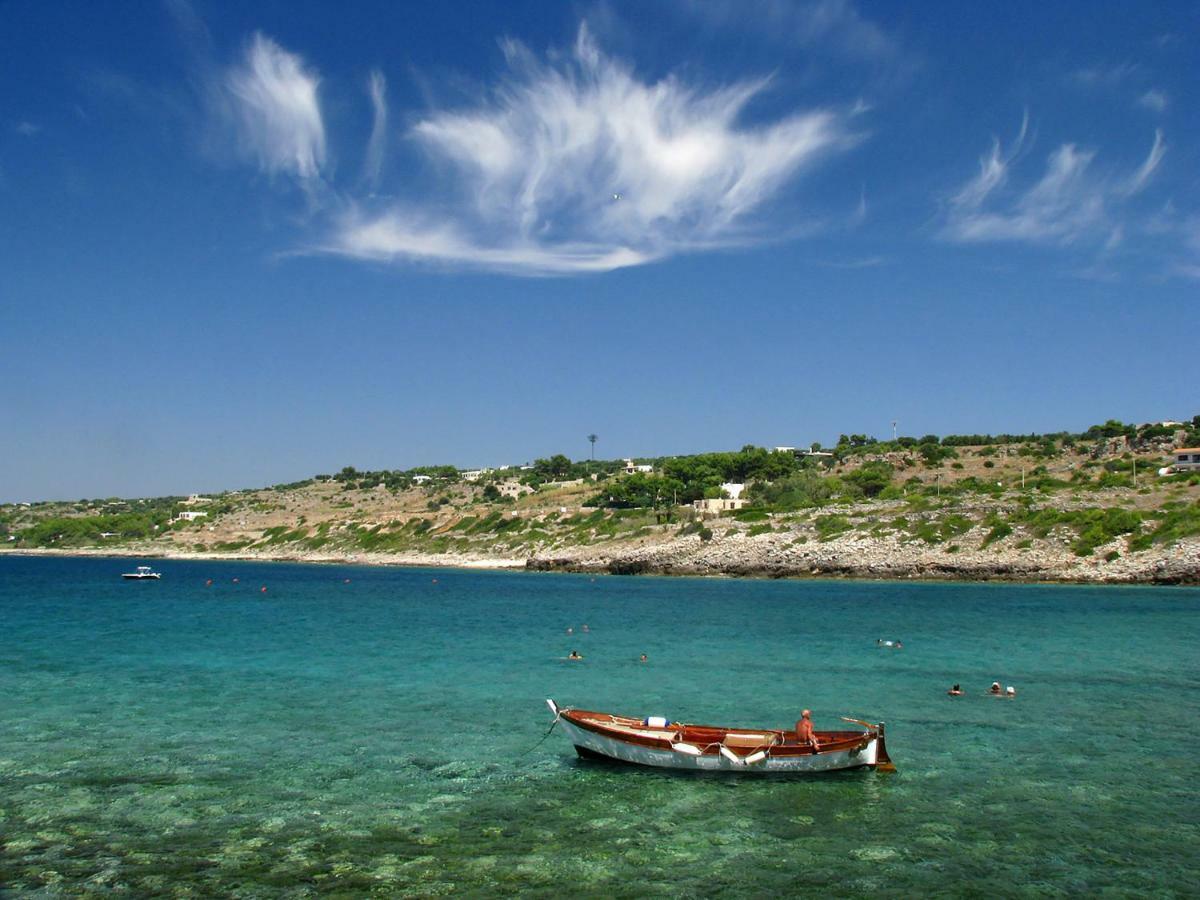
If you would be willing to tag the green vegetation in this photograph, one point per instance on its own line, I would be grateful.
(999, 529)
(829, 527)
(1174, 523)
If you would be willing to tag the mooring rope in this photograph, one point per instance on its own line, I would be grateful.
(544, 736)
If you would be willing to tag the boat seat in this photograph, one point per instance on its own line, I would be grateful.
(748, 741)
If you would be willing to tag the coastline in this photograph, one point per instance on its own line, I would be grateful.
(768, 556)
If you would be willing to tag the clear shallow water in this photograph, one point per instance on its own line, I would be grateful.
(382, 735)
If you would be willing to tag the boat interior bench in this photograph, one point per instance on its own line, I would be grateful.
(749, 741)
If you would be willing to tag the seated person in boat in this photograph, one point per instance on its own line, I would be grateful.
(804, 730)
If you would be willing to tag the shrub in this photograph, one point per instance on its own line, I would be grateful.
(829, 527)
(999, 530)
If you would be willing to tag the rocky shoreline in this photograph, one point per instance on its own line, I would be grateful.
(779, 555)
(883, 559)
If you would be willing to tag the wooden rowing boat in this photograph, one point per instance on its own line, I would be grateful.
(654, 741)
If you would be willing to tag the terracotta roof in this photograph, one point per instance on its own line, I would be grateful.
(1187, 450)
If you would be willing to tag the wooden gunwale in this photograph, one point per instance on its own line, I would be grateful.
(709, 738)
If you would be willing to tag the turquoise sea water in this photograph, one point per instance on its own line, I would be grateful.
(382, 735)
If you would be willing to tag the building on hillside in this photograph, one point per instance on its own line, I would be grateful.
(473, 474)
(717, 505)
(196, 499)
(1186, 459)
(422, 479)
(514, 489)
(631, 468)
(189, 515)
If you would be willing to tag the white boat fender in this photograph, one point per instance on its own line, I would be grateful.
(756, 757)
(655, 722)
(689, 749)
(732, 757)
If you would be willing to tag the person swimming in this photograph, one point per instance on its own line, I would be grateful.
(955, 691)
(574, 655)
(995, 688)
(642, 658)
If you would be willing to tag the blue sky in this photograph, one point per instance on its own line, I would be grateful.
(247, 244)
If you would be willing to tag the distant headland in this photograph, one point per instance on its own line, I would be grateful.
(1115, 504)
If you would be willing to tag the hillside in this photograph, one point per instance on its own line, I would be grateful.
(1090, 507)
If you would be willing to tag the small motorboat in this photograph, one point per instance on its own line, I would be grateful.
(655, 741)
(143, 573)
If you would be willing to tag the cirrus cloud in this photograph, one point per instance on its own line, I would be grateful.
(1067, 204)
(576, 165)
(273, 100)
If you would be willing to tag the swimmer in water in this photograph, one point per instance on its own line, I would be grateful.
(574, 655)
(955, 691)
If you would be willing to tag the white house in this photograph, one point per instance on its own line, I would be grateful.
(421, 479)
(718, 505)
(630, 468)
(189, 515)
(196, 499)
(1186, 459)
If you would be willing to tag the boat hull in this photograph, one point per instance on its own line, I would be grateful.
(589, 742)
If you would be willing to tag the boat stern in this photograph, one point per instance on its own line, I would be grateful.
(883, 762)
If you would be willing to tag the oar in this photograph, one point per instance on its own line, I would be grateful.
(870, 725)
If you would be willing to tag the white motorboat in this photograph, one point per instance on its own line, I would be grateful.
(143, 573)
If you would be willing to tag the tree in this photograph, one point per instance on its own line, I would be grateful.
(871, 478)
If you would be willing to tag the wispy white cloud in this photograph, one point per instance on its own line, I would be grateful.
(577, 165)
(276, 111)
(993, 169)
(1144, 173)
(27, 129)
(1067, 204)
(1154, 99)
(377, 89)
(1105, 76)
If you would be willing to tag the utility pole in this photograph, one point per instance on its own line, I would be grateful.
(592, 438)
(893, 431)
